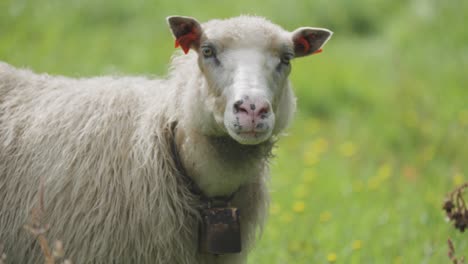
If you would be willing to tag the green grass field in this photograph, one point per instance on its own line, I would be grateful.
(381, 132)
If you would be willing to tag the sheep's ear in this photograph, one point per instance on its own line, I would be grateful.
(186, 30)
(309, 40)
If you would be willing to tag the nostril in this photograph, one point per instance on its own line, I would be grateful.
(243, 110)
(238, 107)
(263, 111)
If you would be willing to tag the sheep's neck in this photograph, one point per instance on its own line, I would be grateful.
(219, 165)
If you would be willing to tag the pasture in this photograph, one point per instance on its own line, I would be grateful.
(381, 132)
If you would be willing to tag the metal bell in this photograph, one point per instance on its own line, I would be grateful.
(220, 231)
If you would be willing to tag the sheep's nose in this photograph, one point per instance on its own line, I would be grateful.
(254, 108)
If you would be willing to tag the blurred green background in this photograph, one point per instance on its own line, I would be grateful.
(381, 132)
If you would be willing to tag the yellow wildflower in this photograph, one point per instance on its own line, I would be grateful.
(357, 244)
(325, 216)
(331, 257)
(348, 149)
(458, 179)
(384, 172)
(299, 206)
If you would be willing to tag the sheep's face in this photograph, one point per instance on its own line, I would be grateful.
(246, 63)
(248, 84)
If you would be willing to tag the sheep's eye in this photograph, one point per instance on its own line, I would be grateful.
(286, 58)
(207, 51)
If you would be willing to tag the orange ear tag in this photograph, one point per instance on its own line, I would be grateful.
(318, 51)
(185, 41)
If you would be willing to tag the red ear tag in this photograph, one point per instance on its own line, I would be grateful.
(305, 44)
(318, 51)
(185, 41)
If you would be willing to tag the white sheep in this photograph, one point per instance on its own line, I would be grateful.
(116, 153)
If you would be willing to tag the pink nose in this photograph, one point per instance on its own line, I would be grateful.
(255, 109)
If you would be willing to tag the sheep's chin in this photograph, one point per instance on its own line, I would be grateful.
(250, 138)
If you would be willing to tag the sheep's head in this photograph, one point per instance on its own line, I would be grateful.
(246, 63)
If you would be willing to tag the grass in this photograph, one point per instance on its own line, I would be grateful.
(381, 132)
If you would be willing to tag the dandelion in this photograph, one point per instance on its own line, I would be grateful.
(331, 257)
(384, 172)
(325, 216)
(299, 206)
(356, 245)
(458, 179)
(348, 149)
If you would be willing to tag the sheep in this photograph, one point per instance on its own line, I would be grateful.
(129, 163)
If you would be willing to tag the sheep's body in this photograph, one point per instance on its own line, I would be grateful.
(104, 149)
(102, 146)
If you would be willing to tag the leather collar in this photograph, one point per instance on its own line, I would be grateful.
(208, 202)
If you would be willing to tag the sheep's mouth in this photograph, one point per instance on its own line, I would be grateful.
(251, 134)
(250, 137)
